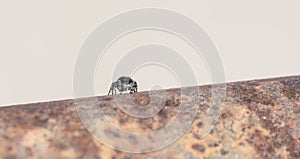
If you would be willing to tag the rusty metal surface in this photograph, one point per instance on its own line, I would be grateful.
(260, 119)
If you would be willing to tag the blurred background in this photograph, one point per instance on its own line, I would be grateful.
(40, 41)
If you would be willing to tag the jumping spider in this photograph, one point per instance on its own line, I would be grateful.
(123, 85)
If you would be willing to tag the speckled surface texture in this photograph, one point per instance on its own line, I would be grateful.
(260, 119)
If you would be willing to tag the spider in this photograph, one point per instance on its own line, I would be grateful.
(123, 85)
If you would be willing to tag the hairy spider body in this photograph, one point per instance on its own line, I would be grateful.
(123, 85)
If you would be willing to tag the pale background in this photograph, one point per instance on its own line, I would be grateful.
(41, 39)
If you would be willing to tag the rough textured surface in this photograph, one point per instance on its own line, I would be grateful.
(260, 119)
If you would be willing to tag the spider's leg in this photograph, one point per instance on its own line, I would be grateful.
(110, 89)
